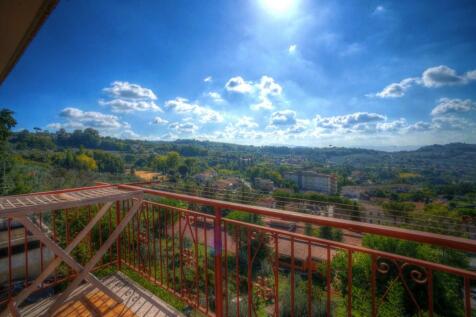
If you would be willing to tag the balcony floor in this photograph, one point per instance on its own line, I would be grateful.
(85, 301)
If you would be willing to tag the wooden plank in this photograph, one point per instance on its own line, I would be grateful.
(30, 201)
(23, 211)
(19, 201)
(10, 203)
(90, 265)
(94, 304)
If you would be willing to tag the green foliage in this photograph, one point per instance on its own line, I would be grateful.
(446, 288)
(183, 170)
(172, 160)
(330, 233)
(258, 244)
(300, 299)
(323, 232)
(40, 140)
(108, 162)
(431, 218)
(245, 217)
(398, 209)
(85, 162)
(88, 138)
(7, 122)
(265, 171)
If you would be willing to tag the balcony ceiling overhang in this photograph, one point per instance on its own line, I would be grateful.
(20, 20)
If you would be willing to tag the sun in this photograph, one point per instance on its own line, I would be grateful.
(278, 7)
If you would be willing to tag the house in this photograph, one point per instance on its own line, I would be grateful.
(205, 176)
(262, 184)
(313, 181)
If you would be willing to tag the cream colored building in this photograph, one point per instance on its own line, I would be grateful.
(310, 180)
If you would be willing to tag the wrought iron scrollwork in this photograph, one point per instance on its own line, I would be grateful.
(405, 272)
(418, 274)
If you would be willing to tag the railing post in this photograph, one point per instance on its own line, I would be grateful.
(218, 264)
(118, 241)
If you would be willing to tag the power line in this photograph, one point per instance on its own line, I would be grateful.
(249, 195)
(428, 224)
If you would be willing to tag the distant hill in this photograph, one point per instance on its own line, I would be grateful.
(453, 161)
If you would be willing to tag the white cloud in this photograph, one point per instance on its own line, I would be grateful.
(299, 127)
(471, 75)
(125, 105)
(234, 132)
(264, 90)
(432, 77)
(442, 76)
(242, 129)
(396, 90)
(246, 122)
(127, 97)
(448, 106)
(453, 123)
(185, 127)
(106, 124)
(282, 118)
(292, 49)
(208, 79)
(91, 119)
(353, 120)
(215, 96)
(392, 126)
(160, 121)
(268, 88)
(379, 9)
(124, 89)
(183, 106)
(128, 134)
(262, 105)
(419, 126)
(169, 136)
(238, 85)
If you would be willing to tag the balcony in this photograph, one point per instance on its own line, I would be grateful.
(186, 251)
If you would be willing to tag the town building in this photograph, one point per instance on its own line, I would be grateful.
(263, 184)
(205, 176)
(310, 180)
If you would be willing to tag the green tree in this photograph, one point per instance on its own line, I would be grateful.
(108, 162)
(398, 209)
(172, 160)
(159, 164)
(7, 122)
(330, 233)
(183, 170)
(446, 287)
(85, 162)
(258, 242)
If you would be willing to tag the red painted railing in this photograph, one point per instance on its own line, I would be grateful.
(225, 267)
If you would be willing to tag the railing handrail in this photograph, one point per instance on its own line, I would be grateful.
(457, 243)
(98, 185)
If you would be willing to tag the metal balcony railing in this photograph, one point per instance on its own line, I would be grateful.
(225, 267)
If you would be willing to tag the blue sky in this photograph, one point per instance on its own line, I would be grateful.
(296, 72)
